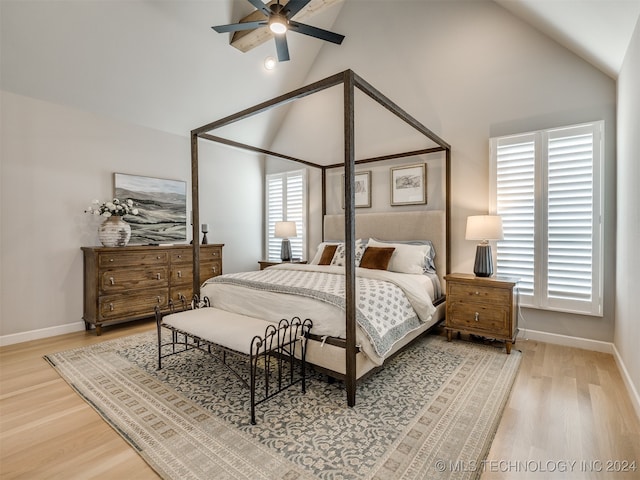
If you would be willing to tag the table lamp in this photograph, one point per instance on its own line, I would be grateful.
(484, 228)
(285, 230)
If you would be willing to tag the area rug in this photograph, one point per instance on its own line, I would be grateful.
(430, 412)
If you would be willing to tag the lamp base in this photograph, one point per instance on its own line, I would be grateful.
(483, 267)
(285, 250)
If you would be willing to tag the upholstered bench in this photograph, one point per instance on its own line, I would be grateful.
(272, 350)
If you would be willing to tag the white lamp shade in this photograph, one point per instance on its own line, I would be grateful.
(484, 227)
(285, 230)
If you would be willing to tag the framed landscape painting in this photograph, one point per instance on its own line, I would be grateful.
(162, 204)
(409, 184)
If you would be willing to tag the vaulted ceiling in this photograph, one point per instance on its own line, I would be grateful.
(159, 64)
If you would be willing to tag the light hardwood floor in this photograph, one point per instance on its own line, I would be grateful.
(567, 405)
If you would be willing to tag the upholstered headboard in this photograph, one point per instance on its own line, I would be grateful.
(422, 225)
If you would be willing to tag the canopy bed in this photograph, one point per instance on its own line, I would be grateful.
(348, 228)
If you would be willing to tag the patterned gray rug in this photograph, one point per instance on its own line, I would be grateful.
(431, 412)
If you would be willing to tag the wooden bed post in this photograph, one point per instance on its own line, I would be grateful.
(195, 208)
(349, 236)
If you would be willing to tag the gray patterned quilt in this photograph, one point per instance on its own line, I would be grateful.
(388, 305)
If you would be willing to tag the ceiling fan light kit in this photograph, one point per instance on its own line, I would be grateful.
(279, 22)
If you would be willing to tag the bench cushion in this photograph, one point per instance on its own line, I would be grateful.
(228, 329)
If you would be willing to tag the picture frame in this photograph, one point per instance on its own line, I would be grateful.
(362, 187)
(162, 207)
(408, 184)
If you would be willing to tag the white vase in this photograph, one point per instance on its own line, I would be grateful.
(114, 232)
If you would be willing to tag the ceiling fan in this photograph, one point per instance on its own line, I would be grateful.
(279, 22)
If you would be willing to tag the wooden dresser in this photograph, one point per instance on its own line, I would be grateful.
(126, 283)
(484, 306)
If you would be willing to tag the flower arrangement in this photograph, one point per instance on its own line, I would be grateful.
(114, 207)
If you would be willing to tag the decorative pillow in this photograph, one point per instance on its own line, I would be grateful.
(408, 258)
(320, 251)
(377, 258)
(327, 254)
(338, 258)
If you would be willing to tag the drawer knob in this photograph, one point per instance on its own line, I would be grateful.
(158, 257)
(179, 256)
(215, 269)
(477, 317)
(158, 297)
(179, 274)
(111, 259)
(477, 293)
(112, 281)
(111, 307)
(158, 276)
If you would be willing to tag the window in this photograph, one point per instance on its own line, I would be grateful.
(547, 186)
(286, 200)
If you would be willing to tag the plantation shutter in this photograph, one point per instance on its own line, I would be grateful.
(573, 216)
(286, 201)
(515, 202)
(546, 187)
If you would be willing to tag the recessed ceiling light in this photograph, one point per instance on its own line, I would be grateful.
(269, 63)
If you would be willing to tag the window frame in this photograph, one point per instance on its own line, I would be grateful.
(541, 298)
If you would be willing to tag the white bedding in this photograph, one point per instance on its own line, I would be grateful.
(328, 319)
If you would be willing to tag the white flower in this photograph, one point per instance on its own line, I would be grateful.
(114, 207)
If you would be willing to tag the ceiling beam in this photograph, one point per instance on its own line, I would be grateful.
(247, 39)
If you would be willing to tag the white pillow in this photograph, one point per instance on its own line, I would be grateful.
(318, 255)
(406, 258)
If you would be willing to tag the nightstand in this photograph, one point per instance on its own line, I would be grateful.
(485, 306)
(267, 263)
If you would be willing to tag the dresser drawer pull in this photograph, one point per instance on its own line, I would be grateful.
(477, 317)
(215, 254)
(179, 256)
(112, 281)
(477, 293)
(111, 259)
(214, 269)
(179, 274)
(157, 276)
(158, 257)
(158, 297)
(111, 307)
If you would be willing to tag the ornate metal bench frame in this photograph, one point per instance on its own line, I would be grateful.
(272, 355)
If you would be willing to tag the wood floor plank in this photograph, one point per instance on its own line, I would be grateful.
(567, 405)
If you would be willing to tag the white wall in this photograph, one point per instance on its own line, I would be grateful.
(469, 71)
(627, 332)
(55, 160)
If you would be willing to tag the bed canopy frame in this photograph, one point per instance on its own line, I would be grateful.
(350, 82)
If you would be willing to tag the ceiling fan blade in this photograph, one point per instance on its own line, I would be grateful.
(260, 6)
(315, 32)
(281, 47)
(294, 6)
(235, 27)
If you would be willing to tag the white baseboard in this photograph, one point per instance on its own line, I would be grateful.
(41, 333)
(567, 341)
(631, 388)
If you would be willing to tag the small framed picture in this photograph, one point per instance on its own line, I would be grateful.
(409, 184)
(362, 189)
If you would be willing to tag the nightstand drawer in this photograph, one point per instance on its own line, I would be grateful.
(482, 294)
(492, 319)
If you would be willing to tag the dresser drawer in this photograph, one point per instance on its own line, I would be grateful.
(182, 273)
(494, 319)
(482, 294)
(210, 269)
(182, 255)
(209, 254)
(133, 259)
(136, 305)
(112, 281)
(176, 292)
